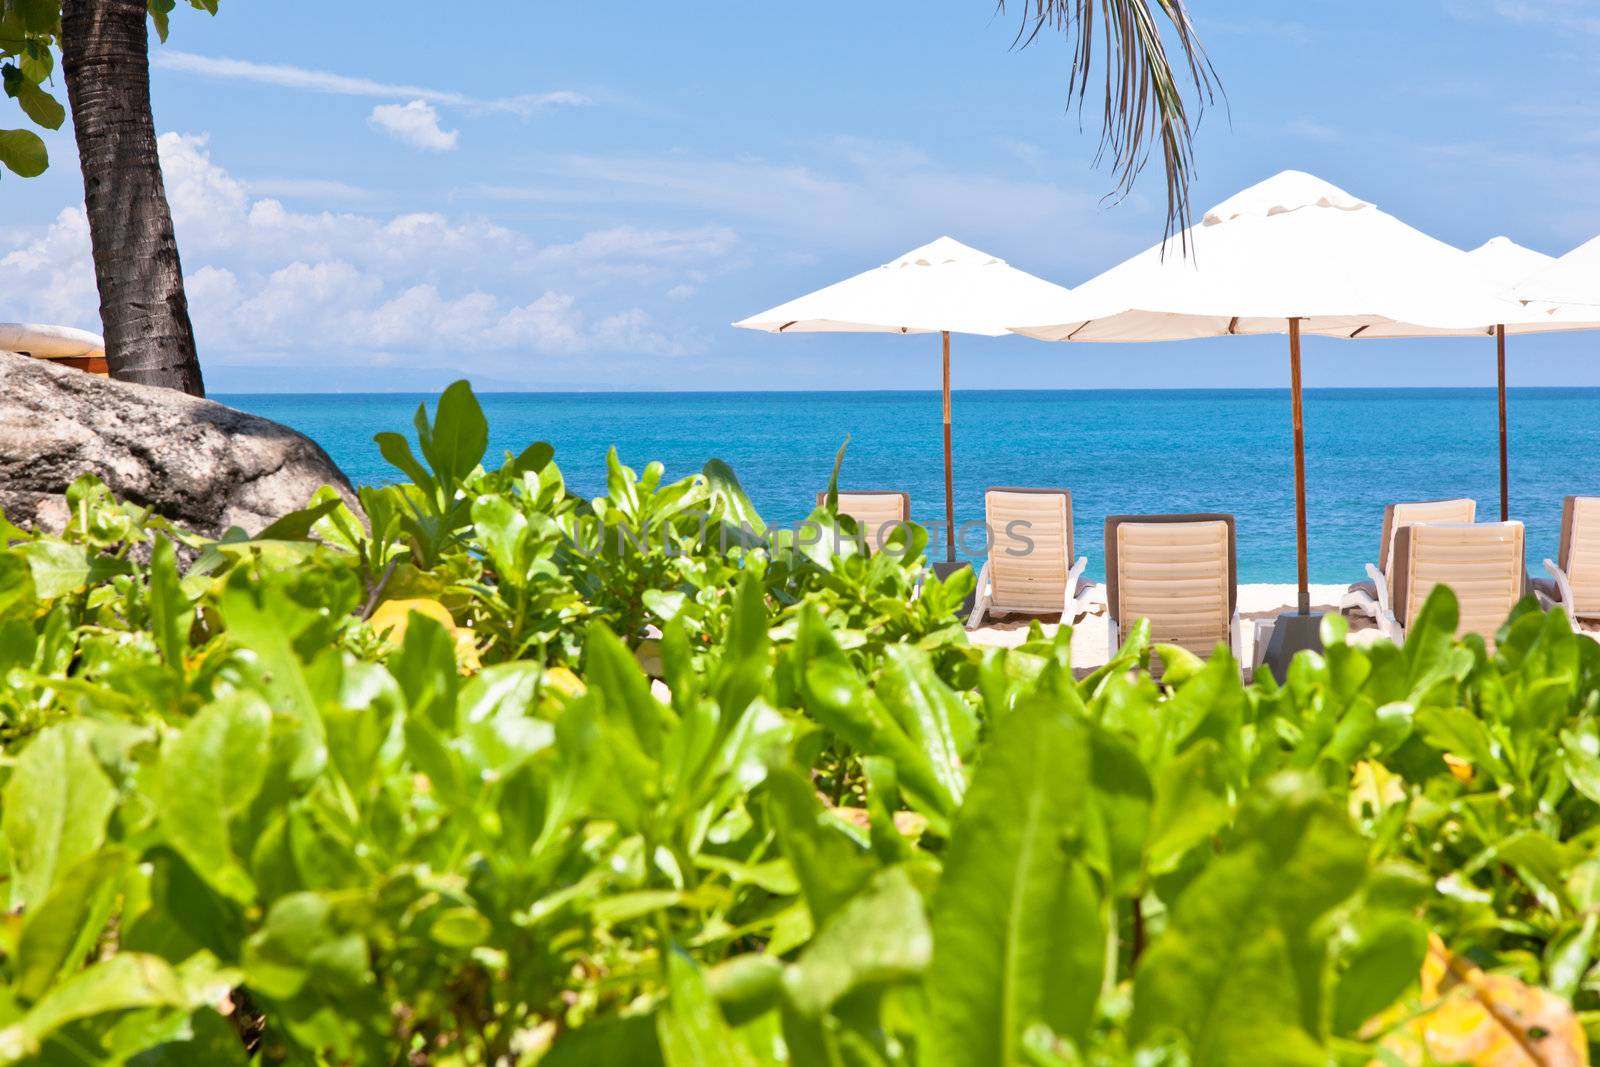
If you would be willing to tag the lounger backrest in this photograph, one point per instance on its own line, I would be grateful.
(1482, 562)
(1031, 547)
(1178, 571)
(875, 511)
(1398, 515)
(1580, 552)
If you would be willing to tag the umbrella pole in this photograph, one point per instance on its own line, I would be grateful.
(1298, 630)
(1299, 467)
(949, 476)
(1505, 476)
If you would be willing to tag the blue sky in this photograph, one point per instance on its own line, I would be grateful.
(552, 195)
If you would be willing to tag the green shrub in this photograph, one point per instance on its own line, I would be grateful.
(616, 795)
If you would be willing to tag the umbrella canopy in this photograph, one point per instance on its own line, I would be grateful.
(1293, 246)
(49, 342)
(1572, 279)
(1506, 263)
(943, 287)
(1501, 263)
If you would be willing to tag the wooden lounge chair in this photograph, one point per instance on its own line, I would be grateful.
(1362, 597)
(1481, 562)
(1031, 569)
(1574, 580)
(876, 511)
(1180, 572)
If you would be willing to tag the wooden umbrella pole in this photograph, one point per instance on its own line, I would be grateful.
(1299, 466)
(1505, 476)
(949, 475)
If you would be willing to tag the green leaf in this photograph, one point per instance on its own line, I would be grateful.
(614, 677)
(835, 694)
(629, 1039)
(24, 153)
(690, 1026)
(728, 500)
(932, 715)
(1580, 759)
(160, 15)
(58, 933)
(170, 613)
(297, 525)
(18, 594)
(122, 982)
(829, 863)
(1383, 964)
(209, 775)
(301, 942)
(460, 434)
(56, 806)
(58, 567)
(1191, 804)
(1017, 933)
(41, 107)
(879, 936)
(1242, 965)
(460, 927)
(397, 450)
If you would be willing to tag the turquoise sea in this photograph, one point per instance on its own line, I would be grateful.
(1124, 451)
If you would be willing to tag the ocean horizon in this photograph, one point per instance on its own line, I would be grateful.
(1119, 451)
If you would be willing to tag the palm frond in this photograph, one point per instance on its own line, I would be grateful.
(1144, 94)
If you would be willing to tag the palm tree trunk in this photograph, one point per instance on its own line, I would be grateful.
(143, 310)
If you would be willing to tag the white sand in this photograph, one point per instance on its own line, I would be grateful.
(1258, 604)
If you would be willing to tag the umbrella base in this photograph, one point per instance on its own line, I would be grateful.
(945, 570)
(1293, 632)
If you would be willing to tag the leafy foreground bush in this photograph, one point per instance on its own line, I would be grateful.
(479, 788)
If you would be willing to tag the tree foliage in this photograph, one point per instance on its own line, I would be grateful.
(30, 34)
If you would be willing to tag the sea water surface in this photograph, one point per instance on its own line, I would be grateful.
(1118, 451)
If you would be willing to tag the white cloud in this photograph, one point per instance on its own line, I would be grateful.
(415, 124)
(320, 81)
(268, 284)
(52, 276)
(864, 197)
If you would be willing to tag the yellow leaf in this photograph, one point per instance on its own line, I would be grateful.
(1373, 787)
(1480, 1020)
(1459, 767)
(562, 680)
(393, 616)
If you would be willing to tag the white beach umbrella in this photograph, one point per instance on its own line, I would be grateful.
(943, 287)
(1291, 254)
(1503, 264)
(50, 342)
(1574, 279)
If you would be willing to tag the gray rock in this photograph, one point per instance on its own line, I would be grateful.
(200, 464)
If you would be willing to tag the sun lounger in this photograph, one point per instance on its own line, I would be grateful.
(1481, 562)
(1032, 568)
(1362, 597)
(878, 512)
(1178, 571)
(1574, 580)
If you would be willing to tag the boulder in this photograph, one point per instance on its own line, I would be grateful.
(200, 464)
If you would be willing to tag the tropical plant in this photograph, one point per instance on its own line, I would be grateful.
(461, 789)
